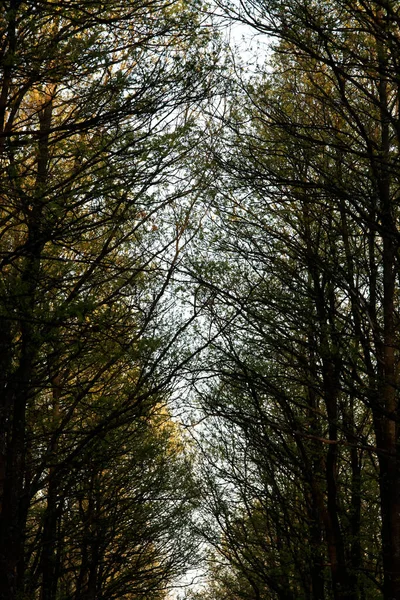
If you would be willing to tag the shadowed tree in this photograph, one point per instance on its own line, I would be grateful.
(96, 105)
(306, 287)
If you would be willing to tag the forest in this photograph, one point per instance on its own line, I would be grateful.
(199, 300)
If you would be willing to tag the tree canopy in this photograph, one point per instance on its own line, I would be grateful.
(96, 121)
(177, 230)
(304, 289)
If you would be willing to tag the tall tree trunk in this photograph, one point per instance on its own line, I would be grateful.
(389, 460)
(15, 500)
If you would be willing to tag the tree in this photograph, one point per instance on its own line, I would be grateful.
(121, 517)
(95, 119)
(310, 346)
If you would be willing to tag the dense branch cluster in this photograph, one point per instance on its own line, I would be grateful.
(305, 287)
(96, 104)
(174, 229)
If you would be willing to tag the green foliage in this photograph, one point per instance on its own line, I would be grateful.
(303, 373)
(95, 127)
